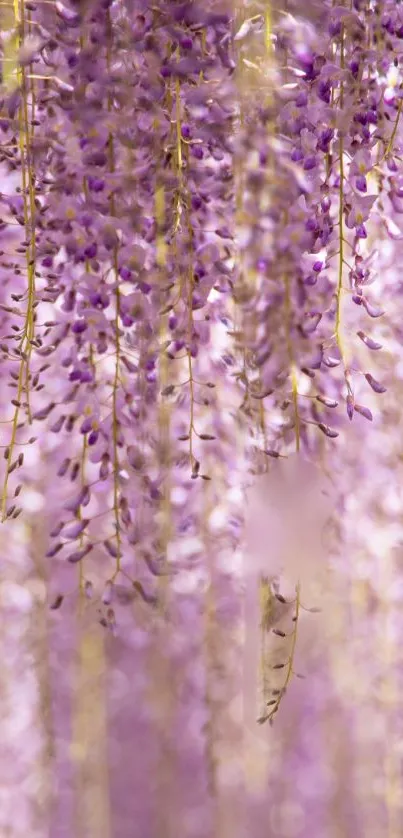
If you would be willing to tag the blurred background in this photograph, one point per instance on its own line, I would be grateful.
(151, 731)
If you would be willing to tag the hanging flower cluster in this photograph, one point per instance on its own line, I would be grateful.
(321, 162)
(117, 242)
(317, 145)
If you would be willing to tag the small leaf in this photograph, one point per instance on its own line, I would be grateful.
(10, 62)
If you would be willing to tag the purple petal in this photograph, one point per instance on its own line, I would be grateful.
(64, 467)
(350, 407)
(79, 554)
(54, 550)
(88, 589)
(57, 602)
(82, 499)
(57, 529)
(311, 323)
(369, 342)
(361, 183)
(330, 432)
(327, 402)
(108, 593)
(373, 311)
(364, 411)
(44, 413)
(76, 529)
(331, 361)
(376, 386)
(111, 548)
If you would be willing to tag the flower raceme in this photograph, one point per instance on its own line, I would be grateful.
(118, 128)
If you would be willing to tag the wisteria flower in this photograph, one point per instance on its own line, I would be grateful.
(359, 168)
(359, 213)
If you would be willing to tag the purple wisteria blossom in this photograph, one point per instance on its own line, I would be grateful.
(200, 338)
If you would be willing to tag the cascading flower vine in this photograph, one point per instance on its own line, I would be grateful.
(127, 138)
(312, 157)
(314, 147)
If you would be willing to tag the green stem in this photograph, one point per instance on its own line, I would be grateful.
(341, 219)
(290, 663)
(293, 372)
(25, 345)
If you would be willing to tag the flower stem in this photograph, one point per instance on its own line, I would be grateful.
(25, 345)
(290, 663)
(341, 228)
(293, 371)
(115, 385)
